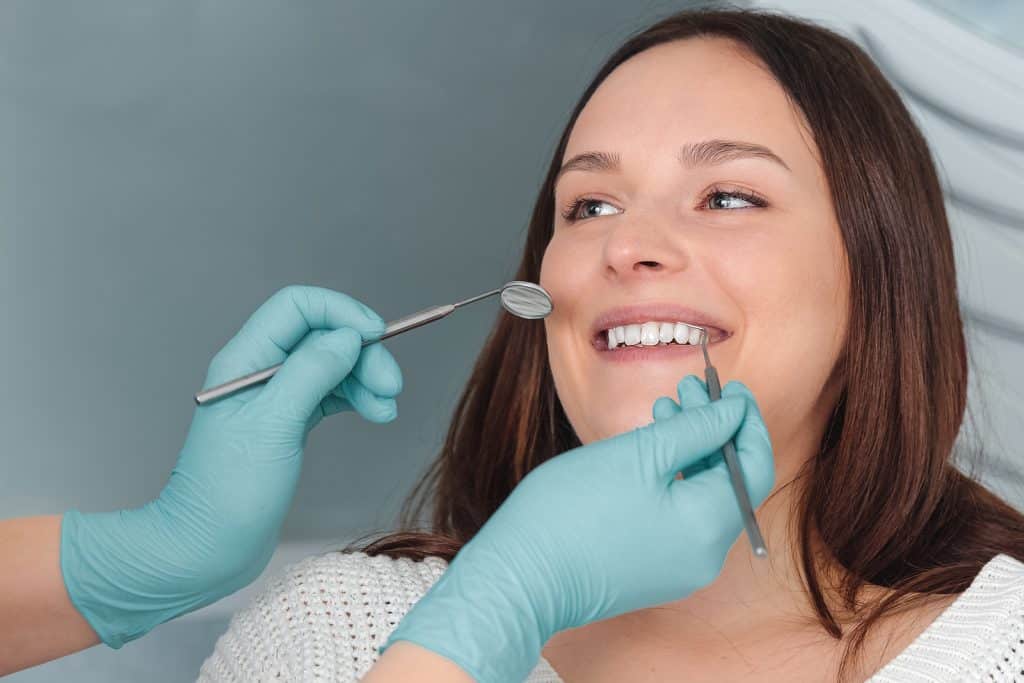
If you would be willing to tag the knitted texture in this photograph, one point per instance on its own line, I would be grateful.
(979, 637)
(324, 618)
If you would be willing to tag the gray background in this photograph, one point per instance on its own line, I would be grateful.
(169, 165)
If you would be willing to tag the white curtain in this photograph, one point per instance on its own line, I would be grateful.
(961, 74)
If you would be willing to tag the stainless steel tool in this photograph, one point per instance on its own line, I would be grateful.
(732, 462)
(523, 299)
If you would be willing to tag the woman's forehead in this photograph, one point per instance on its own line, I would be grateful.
(686, 92)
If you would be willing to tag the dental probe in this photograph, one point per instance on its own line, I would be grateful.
(523, 299)
(732, 462)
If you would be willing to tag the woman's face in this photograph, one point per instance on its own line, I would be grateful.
(701, 200)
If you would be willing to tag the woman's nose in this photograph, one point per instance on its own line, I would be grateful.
(641, 246)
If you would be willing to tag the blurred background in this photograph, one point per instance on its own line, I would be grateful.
(169, 164)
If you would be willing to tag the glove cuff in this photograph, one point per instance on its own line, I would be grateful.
(482, 623)
(106, 577)
(85, 585)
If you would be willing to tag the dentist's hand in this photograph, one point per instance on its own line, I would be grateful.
(595, 532)
(215, 525)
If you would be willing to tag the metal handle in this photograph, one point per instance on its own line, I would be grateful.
(412, 321)
(732, 463)
(394, 327)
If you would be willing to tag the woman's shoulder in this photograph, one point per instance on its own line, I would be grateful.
(1002, 569)
(998, 587)
(339, 574)
(978, 634)
(324, 615)
(992, 604)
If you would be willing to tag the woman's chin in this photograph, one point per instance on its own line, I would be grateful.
(624, 423)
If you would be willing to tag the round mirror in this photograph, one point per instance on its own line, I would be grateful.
(526, 300)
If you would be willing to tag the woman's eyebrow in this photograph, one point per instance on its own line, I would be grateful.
(704, 153)
(711, 152)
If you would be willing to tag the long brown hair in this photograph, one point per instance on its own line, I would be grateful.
(882, 495)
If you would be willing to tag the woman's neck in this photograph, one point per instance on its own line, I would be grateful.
(751, 590)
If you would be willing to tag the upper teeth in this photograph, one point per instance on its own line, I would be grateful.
(652, 334)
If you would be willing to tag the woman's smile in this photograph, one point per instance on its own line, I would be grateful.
(654, 332)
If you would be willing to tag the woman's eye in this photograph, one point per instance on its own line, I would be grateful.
(588, 208)
(717, 199)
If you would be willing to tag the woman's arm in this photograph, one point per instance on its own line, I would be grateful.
(37, 620)
(405, 661)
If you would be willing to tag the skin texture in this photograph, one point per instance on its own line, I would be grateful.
(37, 620)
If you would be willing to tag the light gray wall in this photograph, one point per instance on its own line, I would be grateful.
(168, 164)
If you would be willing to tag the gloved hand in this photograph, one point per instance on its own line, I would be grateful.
(595, 532)
(215, 525)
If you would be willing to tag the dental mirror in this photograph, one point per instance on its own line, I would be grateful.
(526, 300)
(522, 299)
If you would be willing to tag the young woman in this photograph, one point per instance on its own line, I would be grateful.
(757, 175)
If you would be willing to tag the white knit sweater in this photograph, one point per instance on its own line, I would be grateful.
(323, 621)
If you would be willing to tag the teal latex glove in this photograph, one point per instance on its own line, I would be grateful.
(215, 525)
(595, 532)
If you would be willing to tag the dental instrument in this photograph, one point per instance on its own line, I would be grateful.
(523, 299)
(732, 462)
